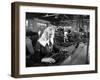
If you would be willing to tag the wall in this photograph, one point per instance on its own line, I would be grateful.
(5, 41)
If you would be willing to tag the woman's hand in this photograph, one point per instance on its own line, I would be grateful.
(48, 60)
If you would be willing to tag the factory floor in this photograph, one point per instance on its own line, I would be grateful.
(79, 56)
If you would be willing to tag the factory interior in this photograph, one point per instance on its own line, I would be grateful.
(71, 38)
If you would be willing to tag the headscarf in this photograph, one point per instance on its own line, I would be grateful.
(50, 30)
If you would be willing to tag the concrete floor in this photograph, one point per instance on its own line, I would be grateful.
(78, 57)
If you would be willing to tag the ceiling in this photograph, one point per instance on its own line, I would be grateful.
(55, 18)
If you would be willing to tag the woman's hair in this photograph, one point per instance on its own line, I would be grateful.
(48, 32)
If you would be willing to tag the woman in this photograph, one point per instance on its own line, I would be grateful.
(44, 45)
